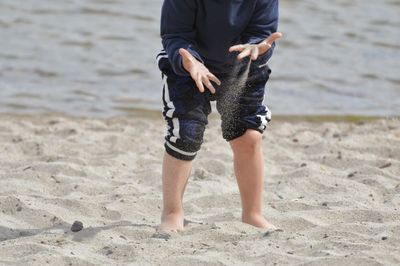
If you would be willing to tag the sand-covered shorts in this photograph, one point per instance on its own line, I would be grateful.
(239, 101)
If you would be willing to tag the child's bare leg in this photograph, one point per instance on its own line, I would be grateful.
(174, 179)
(249, 170)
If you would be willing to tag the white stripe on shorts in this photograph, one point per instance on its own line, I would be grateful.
(175, 121)
(161, 56)
(175, 128)
(179, 150)
(170, 104)
(264, 121)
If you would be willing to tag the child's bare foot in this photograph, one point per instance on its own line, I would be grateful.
(258, 220)
(171, 222)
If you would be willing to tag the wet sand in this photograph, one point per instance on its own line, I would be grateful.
(333, 188)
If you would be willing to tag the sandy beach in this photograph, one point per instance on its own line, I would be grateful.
(332, 187)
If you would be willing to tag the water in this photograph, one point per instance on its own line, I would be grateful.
(97, 58)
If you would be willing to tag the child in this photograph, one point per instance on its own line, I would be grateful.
(206, 45)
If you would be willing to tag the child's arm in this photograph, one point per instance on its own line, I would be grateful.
(260, 34)
(178, 36)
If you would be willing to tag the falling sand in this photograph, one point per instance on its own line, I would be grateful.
(233, 87)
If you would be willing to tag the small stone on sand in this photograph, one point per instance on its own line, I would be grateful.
(77, 226)
(161, 235)
(386, 165)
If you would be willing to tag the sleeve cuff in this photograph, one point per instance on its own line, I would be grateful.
(255, 40)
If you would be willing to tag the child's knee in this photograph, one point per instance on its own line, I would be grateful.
(249, 142)
(184, 138)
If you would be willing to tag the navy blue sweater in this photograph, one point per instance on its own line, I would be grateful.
(207, 28)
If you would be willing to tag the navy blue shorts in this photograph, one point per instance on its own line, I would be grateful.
(186, 109)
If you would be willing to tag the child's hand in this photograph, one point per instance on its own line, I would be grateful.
(199, 73)
(254, 50)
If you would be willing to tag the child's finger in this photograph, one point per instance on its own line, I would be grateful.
(214, 78)
(208, 84)
(254, 54)
(237, 48)
(274, 36)
(264, 47)
(244, 54)
(199, 83)
(267, 43)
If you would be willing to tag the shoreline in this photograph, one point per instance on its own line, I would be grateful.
(154, 114)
